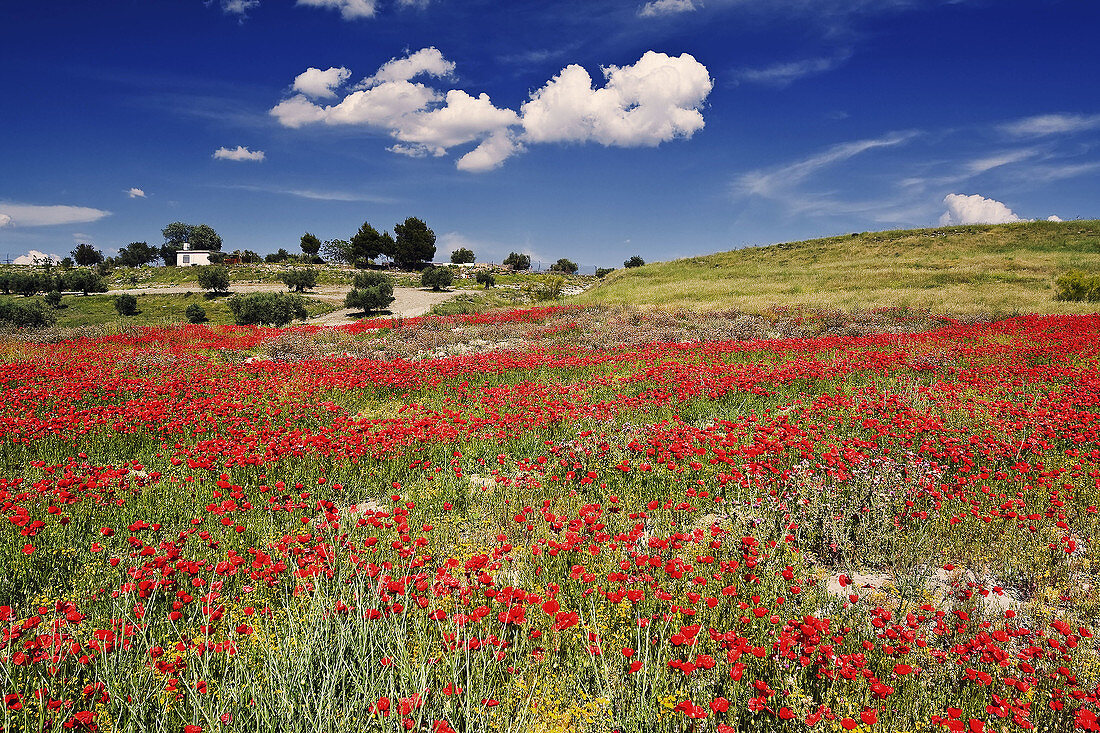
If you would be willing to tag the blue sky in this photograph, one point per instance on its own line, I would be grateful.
(589, 130)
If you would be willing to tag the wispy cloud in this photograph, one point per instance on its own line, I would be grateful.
(998, 160)
(780, 180)
(1051, 124)
(317, 194)
(349, 9)
(785, 73)
(656, 8)
(238, 8)
(136, 193)
(1058, 172)
(35, 215)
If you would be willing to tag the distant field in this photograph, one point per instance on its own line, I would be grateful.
(967, 270)
(153, 310)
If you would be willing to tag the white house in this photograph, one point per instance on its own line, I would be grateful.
(187, 256)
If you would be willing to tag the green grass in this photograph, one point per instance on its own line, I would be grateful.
(962, 270)
(122, 278)
(153, 310)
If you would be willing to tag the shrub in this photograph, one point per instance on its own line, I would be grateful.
(564, 266)
(604, 271)
(276, 309)
(28, 283)
(1077, 285)
(634, 261)
(53, 299)
(85, 280)
(195, 313)
(486, 279)
(126, 304)
(518, 261)
(214, 278)
(437, 278)
(544, 287)
(275, 257)
(299, 278)
(24, 314)
(371, 291)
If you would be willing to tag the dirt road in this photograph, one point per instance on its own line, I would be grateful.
(408, 302)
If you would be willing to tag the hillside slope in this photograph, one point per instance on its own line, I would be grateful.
(998, 269)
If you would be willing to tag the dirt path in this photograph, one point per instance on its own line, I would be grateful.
(408, 302)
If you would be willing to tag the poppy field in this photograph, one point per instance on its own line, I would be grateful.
(554, 519)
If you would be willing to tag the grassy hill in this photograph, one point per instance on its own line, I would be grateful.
(964, 269)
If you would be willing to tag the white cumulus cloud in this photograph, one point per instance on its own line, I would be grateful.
(975, 209)
(1054, 217)
(429, 61)
(655, 8)
(240, 153)
(4, 220)
(349, 9)
(320, 84)
(656, 99)
(136, 193)
(34, 257)
(490, 154)
(35, 215)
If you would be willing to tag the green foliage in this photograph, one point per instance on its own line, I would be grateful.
(137, 254)
(31, 314)
(195, 313)
(634, 261)
(126, 304)
(414, 243)
(1078, 286)
(66, 263)
(276, 309)
(86, 255)
(564, 266)
(371, 291)
(337, 250)
(367, 244)
(214, 278)
(27, 283)
(310, 244)
(86, 281)
(204, 237)
(276, 257)
(246, 256)
(53, 299)
(604, 271)
(437, 278)
(518, 261)
(486, 278)
(200, 236)
(300, 278)
(544, 287)
(462, 256)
